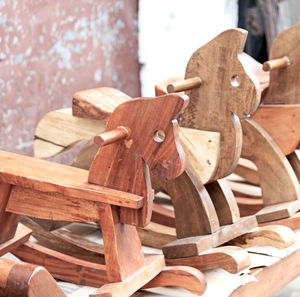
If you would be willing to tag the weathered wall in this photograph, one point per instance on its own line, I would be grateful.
(51, 49)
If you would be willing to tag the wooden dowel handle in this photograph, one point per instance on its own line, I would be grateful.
(184, 85)
(112, 136)
(276, 63)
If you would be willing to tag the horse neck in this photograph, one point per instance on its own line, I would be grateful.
(120, 167)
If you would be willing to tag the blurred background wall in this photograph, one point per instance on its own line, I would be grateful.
(51, 49)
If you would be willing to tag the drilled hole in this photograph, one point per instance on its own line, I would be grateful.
(235, 81)
(159, 136)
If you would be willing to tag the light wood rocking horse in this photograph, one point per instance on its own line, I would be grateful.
(116, 192)
(273, 131)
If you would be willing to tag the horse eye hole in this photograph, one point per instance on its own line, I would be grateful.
(235, 81)
(159, 136)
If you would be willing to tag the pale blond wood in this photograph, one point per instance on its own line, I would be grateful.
(172, 276)
(277, 179)
(247, 170)
(184, 85)
(202, 149)
(277, 236)
(97, 103)
(276, 64)
(294, 159)
(61, 129)
(229, 91)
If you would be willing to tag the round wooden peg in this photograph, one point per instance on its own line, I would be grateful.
(184, 85)
(276, 64)
(112, 136)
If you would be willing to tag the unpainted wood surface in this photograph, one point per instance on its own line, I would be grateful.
(191, 279)
(21, 236)
(282, 122)
(284, 82)
(51, 177)
(58, 130)
(272, 278)
(277, 179)
(230, 258)
(193, 246)
(97, 103)
(229, 90)
(112, 166)
(20, 279)
(277, 236)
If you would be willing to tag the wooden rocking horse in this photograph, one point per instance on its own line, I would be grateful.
(116, 192)
(200, 211)
(273, 132)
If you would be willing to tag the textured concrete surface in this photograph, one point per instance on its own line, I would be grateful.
(51, 49)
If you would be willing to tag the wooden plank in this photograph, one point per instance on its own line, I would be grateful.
(97, 103)
(62, 266)
(193, 246)
(230, 258)
(276, 236)
(278, 211)
(8, 221)
(53, 206)
(271, 279)
(51, 177)
(292, 222)
(21, 236)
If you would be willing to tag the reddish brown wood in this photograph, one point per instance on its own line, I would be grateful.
(8, 221)
(118, 173)
(57, 178)
(162, 215)
(112, 136)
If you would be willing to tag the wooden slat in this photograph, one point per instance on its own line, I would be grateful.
(51, 177)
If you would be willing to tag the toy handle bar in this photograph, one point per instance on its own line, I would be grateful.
(184, 85)
(112, 136)
(276, 64)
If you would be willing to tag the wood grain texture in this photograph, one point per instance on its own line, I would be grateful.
(97, 103)
(156, 235)
(194, 211)
(26, 280)
(278, 181)
(282, 122)
(62, 266)
(277, 236)
(294, 159)
(224, 202)
(59, 130)
(193, 246)
(61, 242)
(112, 166)
(228, 92)
(21, 236)
(191, 279)
(230, 258)
(247, 170)
(162, 215)
(245, 190)
(292, 222)
(151, 268)
(8, 221)
(284, 82)
(277, 211)
(271, 279)
(57, 178)
(202, 149)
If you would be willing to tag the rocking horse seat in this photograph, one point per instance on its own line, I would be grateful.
(53, 178)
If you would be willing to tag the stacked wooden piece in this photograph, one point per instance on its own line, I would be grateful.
(123, 147)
